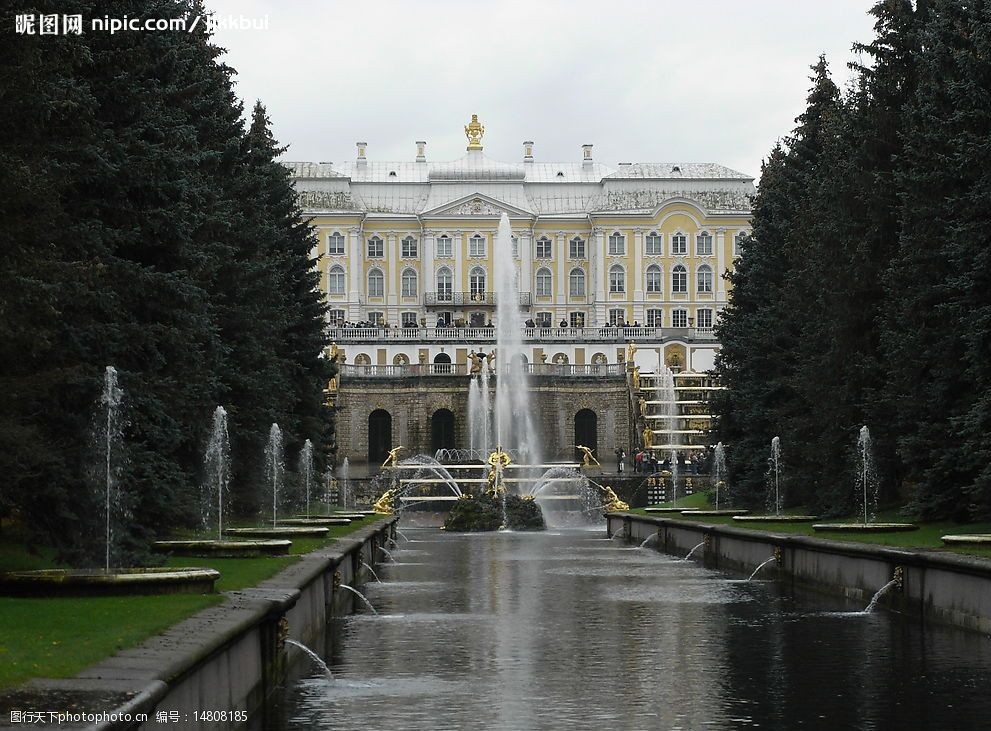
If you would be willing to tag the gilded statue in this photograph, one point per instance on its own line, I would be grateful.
(610, 500)
(642, 403)
(635, 378)
(476, 362)
(474, 131)
(648, 437)
(490, 359)
(335, 352)
(393, 457)
(498, 460)
(588, 459)
(631, 350)
(383, 505)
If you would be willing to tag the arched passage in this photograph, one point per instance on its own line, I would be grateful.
(379, 435)
(442, 430)
(442, 363)
(586, 431)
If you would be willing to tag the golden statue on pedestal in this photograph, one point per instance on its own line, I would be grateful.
(383, 505)
(631, 350)
(610, 500)
(474, 131)
(476, 363)
(588, 459)
(642, 403)
(635, 378)
(648, 437)
(498, 460)
(393, 457)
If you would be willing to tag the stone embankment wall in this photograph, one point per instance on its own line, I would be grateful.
(946, 588)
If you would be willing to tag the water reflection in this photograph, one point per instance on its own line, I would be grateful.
(569, 631)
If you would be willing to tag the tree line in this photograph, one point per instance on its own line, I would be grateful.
(146, 225)
(863, 294)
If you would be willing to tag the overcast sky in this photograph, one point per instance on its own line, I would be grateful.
(644, 81)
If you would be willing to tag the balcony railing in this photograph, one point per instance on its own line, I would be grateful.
(530, 334)
(470, 299)
(461, 369)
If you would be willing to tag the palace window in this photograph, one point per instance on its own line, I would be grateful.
(679, 279)
(408, 319)
(516, 247)
(335, 317)
(703, 244)
(617, 278)
(476, 282)
(543, 282)
(617, 317)
(653, 279)
(409, 283)
(679, 318)
(543, 248)
(576, 248)
(738, 241)
(704, 279)
(476, 246)
(703, 318)
(335, 244)
(655, 318)
(443, 248)
(576, 319)
(410, 248)
(376, 248)
(376, 283)
(543, 319)
(654, 245)
(376, 318)
(679, 244)
(445, 285)
(576, 282)
(617, 244)
(336, 280)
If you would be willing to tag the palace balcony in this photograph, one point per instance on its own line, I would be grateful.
(417, 370)
(468, 299)
(530, 334)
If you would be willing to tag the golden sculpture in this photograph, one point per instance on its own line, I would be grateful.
(474, 131)
(631, 350)
(335, 352)
(498, 460)
(476, 363)
(393, 457)
(383, 505)
(610, 500)
(642, 403)
(588, 459)
(635, 378)
(648, 437)
(490, 359)
(332, 383)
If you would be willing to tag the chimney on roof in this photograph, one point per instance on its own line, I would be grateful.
(421, 151)
(361, 152)
(528, 151)
(586, 156)
(625, 164)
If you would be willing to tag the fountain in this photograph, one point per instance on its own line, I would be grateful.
(895, 583)
(480, 413)
(360, 596)
(345, 474)
(317, 660)
(757, 570)
(775, 494)
(372, 572)
(689, 554)
(648, 539)
(306, 471)
(719, 483)
(107, 582)
(867, 491)
(387, 554)
(274, 467)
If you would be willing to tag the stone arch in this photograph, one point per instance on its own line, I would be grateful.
(379, 436)
(676, 357)
(586, 431)
(362, 359)
(442, 430)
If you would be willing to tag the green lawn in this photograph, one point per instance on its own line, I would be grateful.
(56, 638)
(927, 537)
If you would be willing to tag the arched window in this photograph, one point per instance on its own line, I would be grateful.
(476, 282)
(679, 279)
(704, 278)
(655, 318)
(410, 249)
(679, 244)
(376, 248)
(617, 278)
(543, 282)
(335, 244)
(654, 279)
(543, 248)
(738, 241)
(703, 244)
(443, 246)
(409, 283)
(442, 430)
(445, 285)
(576, 282)
(476, 246)
(654, 247)
(376, 283)
(336, 280)
(617, 244)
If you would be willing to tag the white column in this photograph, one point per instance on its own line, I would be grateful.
(598, 265)
(393, 264)
(717, 274)
(427, 282)
(355, 271)
(457, 241)
(560, 253)
(638, 287)
(526, 260)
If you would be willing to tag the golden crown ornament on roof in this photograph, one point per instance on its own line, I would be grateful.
(474, 131)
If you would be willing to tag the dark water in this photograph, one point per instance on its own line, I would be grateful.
(571, 631)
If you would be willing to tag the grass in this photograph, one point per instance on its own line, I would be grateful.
(926, 537)
(57, 638)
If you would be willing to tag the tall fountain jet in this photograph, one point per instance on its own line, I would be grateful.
(514, 428)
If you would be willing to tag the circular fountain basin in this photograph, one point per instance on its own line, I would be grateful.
(288, 531)
(224, 549)
(967, 539)
(116, 582)
(728, 511)
(865, 527)
(775, 518)
(317, 521)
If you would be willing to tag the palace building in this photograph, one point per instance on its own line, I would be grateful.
(605, 256)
